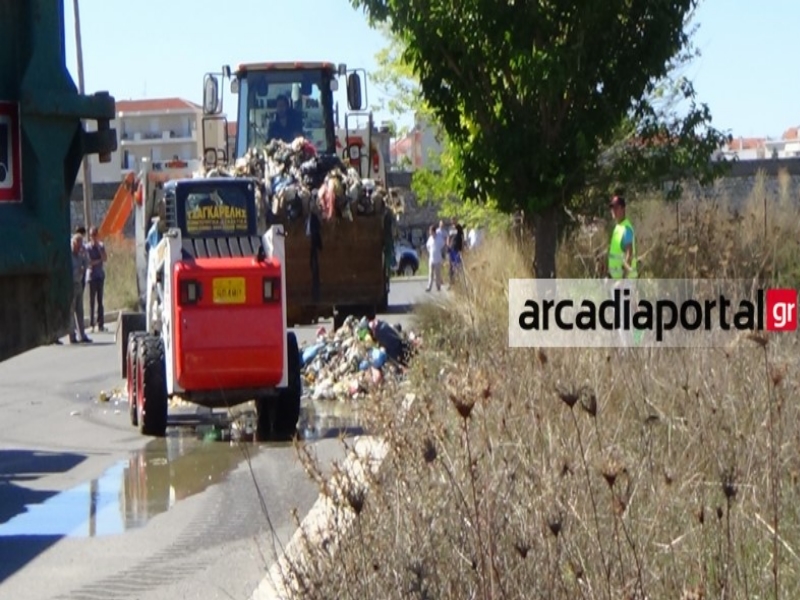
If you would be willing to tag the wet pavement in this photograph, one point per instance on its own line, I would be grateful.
(90, 509)
(198, 452)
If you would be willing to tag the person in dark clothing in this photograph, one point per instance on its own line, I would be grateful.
(287, 124)
(96, 276)
(390, 340)
(455, 248)
(458, 238)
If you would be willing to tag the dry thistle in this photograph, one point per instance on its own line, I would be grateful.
(728, 480)
(522, 549)
(759, 338)
(429, 452)
(620, 505)
(355, 498)
(611, 470)
(668, 476)
(554, 524)
(588, 401)
(464, 407)
(542, 357)
(700, 514)
(568, 397)
(777, 374)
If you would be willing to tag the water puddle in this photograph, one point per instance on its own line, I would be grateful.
(133, 491)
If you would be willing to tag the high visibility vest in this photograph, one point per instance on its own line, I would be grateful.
(616, 254)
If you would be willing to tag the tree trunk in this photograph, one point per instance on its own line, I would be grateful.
(546, 232)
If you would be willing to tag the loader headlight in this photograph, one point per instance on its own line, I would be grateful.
(189, 292)
(272, 288)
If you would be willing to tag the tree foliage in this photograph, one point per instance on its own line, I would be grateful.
(541, 99)
(439, 182)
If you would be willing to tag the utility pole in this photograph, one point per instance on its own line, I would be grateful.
(87, 165)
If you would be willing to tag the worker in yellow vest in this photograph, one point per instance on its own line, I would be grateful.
(622, 251)
(622, 261)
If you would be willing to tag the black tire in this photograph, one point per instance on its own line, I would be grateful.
(278, 416)
(289, 397)
(132, 365)
(127, 323)
(152, 416)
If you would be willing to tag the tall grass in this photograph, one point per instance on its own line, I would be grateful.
(584, 473)
(702, 238)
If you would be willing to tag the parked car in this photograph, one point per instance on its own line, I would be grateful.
(406, 259)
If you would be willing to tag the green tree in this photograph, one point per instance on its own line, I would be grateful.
(440, 182)
(542, 99)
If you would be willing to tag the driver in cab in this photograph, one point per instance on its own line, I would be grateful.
(287, 124)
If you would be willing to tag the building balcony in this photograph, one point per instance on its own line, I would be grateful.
(163, 137)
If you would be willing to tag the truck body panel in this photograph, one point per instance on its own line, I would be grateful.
(351, 267)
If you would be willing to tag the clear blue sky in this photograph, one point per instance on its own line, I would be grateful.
(162, 48)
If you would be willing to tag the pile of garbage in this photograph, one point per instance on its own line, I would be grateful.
(360, 355)
(296, 180)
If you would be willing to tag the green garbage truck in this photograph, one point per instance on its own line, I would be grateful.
(42, 144)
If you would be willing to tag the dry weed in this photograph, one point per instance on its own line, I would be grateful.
(542, 473)
(697, 238)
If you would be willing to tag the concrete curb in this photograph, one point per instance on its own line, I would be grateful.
(324, 523)
(108, 317)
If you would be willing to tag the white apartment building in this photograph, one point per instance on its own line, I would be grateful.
(162, 129)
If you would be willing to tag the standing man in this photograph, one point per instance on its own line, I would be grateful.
(622, 260)
(435, 247)
(96, 276)
(441, 237)
(80, 263)
(456, 248)
(622, 251)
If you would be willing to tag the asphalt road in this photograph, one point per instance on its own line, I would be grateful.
(89, 509)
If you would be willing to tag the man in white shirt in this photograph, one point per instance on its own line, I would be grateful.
(441, 236)
(435, 247)
(474, 237)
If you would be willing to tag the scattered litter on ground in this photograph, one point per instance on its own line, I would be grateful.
(348, 363)
(74, 413)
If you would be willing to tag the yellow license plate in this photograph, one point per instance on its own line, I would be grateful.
(229, 290)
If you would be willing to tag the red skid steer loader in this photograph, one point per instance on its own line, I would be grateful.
(212, 326)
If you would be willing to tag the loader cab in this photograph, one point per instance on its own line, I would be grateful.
(212, 207)
(266, 91)
(301, 92)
